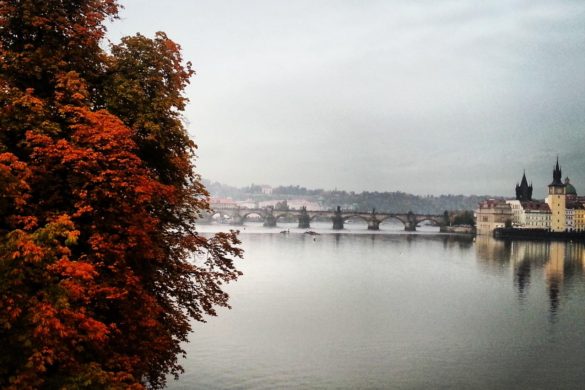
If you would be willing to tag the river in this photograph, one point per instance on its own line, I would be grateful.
(395, 311)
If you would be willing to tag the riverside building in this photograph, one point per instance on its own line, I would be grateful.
(492, 214)
(562, 210)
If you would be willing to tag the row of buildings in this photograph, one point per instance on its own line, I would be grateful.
(562, 210)
(222, 204)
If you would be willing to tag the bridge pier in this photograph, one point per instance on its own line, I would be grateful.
(269, 221)
(304, 219)
(446, 219)
(338, 219)
(410, 225)
(373, 225)
(236, 220)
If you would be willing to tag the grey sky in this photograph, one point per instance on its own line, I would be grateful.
(426, 97)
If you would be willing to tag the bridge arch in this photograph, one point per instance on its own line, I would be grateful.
(292, 215)
(246, 215)
(435, 221)
(312, 217)
(214, 213)
(387, 217)
(356, 216)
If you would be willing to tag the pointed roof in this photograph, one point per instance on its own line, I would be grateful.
(557, 182)
(524, 182)
(523, 190)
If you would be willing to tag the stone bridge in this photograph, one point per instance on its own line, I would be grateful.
(269, 216)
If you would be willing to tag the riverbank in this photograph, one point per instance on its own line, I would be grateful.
(537, 235)
(461, 229)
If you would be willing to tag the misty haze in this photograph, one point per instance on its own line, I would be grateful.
(306, 194)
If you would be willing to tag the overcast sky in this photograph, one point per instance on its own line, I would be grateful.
(427, 97)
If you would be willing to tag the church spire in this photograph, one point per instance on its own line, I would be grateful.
(524, 191)
(557, 175)
(524, 182)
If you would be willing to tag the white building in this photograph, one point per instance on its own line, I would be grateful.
(218, 204)
(530, 214)
(518, 215)
(297, 204)
(526, 212)
(537, 215)
(248, 204)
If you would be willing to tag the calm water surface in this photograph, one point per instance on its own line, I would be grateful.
(396, 311)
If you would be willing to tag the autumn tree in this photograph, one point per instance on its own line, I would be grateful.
(101, 269)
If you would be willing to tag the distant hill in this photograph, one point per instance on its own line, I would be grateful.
(363, 201)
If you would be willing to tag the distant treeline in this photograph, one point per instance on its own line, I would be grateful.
(328, 199)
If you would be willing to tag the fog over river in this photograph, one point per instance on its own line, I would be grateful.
(394, 310)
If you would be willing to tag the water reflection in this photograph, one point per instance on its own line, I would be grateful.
(401, 311)
(560, 264)
(461, 242)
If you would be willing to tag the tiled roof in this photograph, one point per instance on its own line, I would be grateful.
(490, 203)
(535, 206)
(575, 206)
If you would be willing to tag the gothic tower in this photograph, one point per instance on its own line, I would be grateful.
(523, 190)
(557, 201)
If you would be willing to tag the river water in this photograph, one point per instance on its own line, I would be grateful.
(395, 311)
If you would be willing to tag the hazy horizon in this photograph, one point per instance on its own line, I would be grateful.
(357, 192)
(413, 96)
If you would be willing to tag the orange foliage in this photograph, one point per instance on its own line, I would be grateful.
(98, 204)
